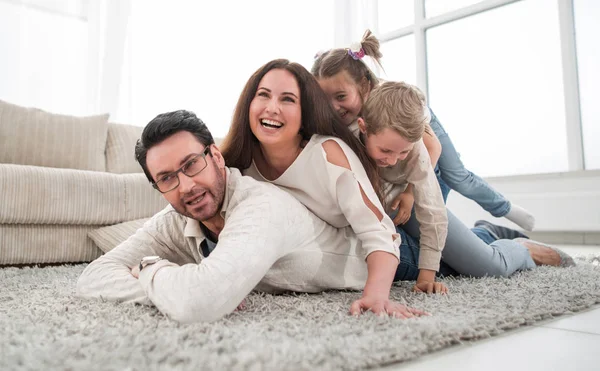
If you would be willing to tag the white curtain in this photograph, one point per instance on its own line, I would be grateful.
(352, 18)
(199, 55)
(107, 34)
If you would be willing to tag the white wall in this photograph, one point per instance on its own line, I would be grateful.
(561, 202)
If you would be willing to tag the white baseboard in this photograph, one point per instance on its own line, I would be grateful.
(562, 202)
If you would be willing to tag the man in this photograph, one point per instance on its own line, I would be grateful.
(223, 235)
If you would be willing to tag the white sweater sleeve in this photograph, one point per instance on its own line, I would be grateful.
(345, 186)
(254, 237)
(109, 277)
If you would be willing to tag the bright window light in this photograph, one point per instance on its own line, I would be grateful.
(437, 7)
(45, 60)
(399, 61)
(499, 91)
(395, 14)
(587, 13)
(199, 55)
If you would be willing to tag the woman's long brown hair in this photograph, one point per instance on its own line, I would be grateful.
(318, 117)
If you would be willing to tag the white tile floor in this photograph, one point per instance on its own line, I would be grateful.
(571, 343)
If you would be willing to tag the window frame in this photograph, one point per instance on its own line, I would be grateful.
(574, 131)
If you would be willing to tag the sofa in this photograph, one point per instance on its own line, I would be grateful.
(62, 178)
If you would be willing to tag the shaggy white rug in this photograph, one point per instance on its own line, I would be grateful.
(44, 327)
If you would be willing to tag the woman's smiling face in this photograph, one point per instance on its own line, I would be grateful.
(275, 111)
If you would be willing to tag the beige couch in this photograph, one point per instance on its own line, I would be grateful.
(62, 177)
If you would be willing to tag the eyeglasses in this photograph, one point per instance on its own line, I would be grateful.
(192, 167)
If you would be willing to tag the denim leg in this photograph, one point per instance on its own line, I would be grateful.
(484, 235)
(408, 269)
(457, 177)
(443, 186)
(476, 252)
(468, 254)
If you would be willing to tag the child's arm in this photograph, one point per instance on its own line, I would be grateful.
(431, 214)
(405, 200)
(433, 145)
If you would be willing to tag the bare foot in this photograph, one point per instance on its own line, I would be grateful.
(543, 254)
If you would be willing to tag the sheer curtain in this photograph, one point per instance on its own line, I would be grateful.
(199, 55)
(62, 56)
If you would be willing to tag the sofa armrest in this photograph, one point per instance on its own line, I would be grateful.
(41, 195)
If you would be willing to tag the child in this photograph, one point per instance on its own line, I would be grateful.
(393, 122)
(348, 81)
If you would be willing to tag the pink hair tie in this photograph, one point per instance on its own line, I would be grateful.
(356, 51)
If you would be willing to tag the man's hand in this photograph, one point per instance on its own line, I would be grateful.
(430, 287)
(382, 305)
(135, 271)
(404, 203)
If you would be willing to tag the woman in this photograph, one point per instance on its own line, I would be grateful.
(285, 132)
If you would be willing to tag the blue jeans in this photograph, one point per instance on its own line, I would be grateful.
(443, 186)
(470, 252)
(453, 173)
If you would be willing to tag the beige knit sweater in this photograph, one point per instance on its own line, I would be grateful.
(270, 242)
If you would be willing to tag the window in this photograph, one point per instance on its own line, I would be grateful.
(198, 56)
(436, 7)
(399, 62)
(587, 13)
(499, 91)
(395, 14)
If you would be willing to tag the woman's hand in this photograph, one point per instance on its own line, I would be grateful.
(383, 305)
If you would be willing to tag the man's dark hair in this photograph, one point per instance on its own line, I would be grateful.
(165, 125)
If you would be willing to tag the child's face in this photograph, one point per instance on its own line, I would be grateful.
(387, 147)
(344, 95)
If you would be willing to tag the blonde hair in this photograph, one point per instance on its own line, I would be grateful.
(398, 106)
(334, 61)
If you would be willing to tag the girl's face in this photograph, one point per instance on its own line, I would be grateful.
(275, 111)
(386, 147)
(344, 95)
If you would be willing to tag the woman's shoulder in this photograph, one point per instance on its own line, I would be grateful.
(328, 140)
(334, 150)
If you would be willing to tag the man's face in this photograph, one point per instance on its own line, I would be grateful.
(199, 197)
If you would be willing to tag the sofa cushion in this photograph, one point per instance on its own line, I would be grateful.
(107, 238)
(31, 136)
(44, 195)
(120, 148)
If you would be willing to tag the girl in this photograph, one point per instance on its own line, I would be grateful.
(347, 81)
(285, 132)
(395, 119)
